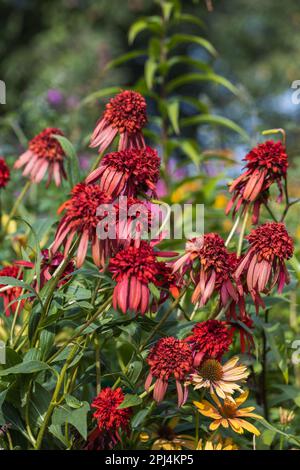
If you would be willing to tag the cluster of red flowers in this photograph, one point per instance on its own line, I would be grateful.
(142, 280)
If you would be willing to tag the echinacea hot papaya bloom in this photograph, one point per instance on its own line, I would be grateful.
(169, 358)
(44, 154)
(212, 268)
(266, 164)
(229, 414)
(10, 294)
(127, 172)
(133, 269)
(264, 262)
(133, 221)
(125, 114)
(110, 419)
(4, 173)
(209, 340)
(81, 219)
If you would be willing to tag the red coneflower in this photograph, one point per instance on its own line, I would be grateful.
(111, 420)
(266, 164)
(125, 114)
(4, 173)
(264, 263)
(128, 172)
(133, 221)
(81, 219)
(44, 154)
(169, 357)
(210, 339)
(133, 269)
(10, 294)
(212, 267)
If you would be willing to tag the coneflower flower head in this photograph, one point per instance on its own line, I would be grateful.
(4, 173)
(264, 262)
(211, 268)
(169, 358)
(128, 172)
(125, 114)
(266, 164)
(82, 219)
(209, 340)
(44, 154)
(133, 269)
(110, 418)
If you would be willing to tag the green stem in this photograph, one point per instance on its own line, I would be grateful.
(54, 399)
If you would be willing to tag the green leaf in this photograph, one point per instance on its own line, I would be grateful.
(73, 402)
(185, 17)
(173, 113)
(73, 170)
(152, 23)
(125, 58)
(139, 418)
(150, 69)
(167, 8)
(177, 39)
(129, 401)
(76, 417)
(182, 59)
(29, 367)
(201, 77)
(214, 120)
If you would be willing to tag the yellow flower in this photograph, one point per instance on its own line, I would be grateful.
(220, 379)
(179, 442)
(166, 438)
(229, 414)
(227, 444)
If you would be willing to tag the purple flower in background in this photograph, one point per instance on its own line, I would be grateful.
(54, 97)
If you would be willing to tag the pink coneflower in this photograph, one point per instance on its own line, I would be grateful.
(133, 269)
(266, 164)
(125, 114)
(128, 172)
(81, 219)
(10, 294)
(44, 154)
(211, 268)
(209, 339)
(169, 357)
(264, 262)
(110, 419)
(4, 173)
